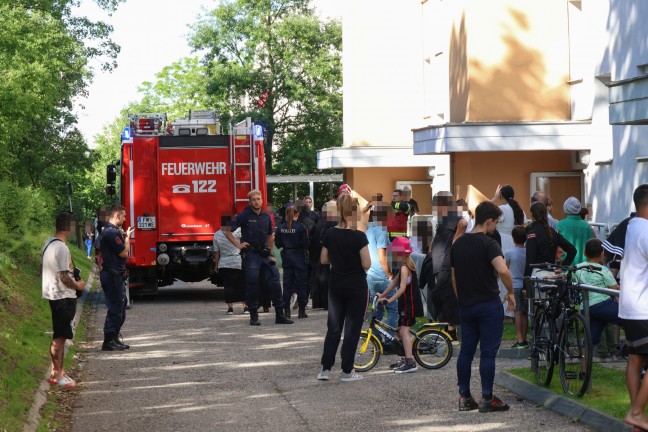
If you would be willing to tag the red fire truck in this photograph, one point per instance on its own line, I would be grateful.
(177, 180)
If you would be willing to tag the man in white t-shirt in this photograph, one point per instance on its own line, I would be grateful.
(633, 307)
(59, 287)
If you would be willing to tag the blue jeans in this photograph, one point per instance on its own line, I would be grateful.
(113, 287)
(600, 314)
(379, 285)
(256, 267)
(481, 323)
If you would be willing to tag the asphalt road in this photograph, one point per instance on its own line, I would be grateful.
(191, 367)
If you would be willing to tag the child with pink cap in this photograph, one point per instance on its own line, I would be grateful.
(408, 297)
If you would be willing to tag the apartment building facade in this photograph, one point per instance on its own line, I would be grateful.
(383, 101)
(545, 96)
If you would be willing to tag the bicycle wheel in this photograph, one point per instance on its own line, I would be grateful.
(432, 349)
(367, 353)
(542, 355)
(575, 355)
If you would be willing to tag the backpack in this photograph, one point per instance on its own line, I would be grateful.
(427, 284)
(426, 277)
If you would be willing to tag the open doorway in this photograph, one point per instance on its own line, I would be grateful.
(559, 186)
(421, 193)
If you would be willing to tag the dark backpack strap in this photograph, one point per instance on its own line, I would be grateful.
(48, 245)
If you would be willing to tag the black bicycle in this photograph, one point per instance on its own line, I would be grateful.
(561, 334)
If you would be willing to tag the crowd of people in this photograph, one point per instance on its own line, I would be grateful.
(472, 269)
(469, 274)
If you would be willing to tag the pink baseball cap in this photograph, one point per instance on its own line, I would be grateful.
(401, 245)
(344, 189)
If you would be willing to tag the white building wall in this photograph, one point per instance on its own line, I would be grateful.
(628, 46)
(383, 80)
(625, 47)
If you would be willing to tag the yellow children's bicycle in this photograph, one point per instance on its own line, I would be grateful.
(431, 344)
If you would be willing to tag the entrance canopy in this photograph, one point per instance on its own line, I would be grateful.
(503, 136)
(305, 178)
(311, 179)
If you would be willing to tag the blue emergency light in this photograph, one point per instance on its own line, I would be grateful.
(126, 135)
(258, 131)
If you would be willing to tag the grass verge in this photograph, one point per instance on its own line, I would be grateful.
(25, 331)
(608, 393)
(57, 411)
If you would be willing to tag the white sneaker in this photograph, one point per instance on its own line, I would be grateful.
(325, 375)
(352, 376)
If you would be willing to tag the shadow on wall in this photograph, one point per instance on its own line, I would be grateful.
(628, 31)
(513, 90)
(612, 185)
(459, 84)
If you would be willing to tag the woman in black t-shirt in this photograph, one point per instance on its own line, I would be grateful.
(345, 249)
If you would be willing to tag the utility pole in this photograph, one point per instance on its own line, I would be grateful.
(69, 194)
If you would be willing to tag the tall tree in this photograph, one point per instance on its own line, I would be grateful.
(277, 62)
(45, 54)
(178, 88)
(46, 51)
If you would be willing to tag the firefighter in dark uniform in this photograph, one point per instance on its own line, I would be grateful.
(256, 250)
(114, 250)
(292, 239)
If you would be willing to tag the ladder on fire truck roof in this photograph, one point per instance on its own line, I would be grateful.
(244, 162)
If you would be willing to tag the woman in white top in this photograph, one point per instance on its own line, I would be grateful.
(227, 258)
(512, 215)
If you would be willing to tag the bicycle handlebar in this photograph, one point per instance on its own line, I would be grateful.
(374, 303)
(568, 269)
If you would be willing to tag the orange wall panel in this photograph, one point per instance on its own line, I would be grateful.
(485, 170)
(509, 61)
(367, 182)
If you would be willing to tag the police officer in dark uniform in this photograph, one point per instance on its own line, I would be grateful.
(310, 218)
(292, 239)
(114, 250)
(256, 250)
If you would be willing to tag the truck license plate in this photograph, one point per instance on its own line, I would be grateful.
(146, 222)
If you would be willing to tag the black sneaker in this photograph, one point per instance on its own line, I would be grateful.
(398, 364)
(407, 367)
(467, 404)
(520, 345)
(492, 405)
(230, 311)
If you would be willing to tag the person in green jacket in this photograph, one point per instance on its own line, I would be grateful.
(574, 229)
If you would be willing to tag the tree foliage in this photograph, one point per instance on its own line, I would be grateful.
(277, 62)
(45, 55)
(178, 88)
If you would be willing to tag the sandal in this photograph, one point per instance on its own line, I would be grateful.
(52, 380)
(66, 383)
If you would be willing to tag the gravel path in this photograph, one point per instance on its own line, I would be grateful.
(192, 367)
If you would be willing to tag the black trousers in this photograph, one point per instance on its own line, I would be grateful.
(234, 284)
(347, 304)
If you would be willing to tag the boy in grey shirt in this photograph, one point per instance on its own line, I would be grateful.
(515, 260)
